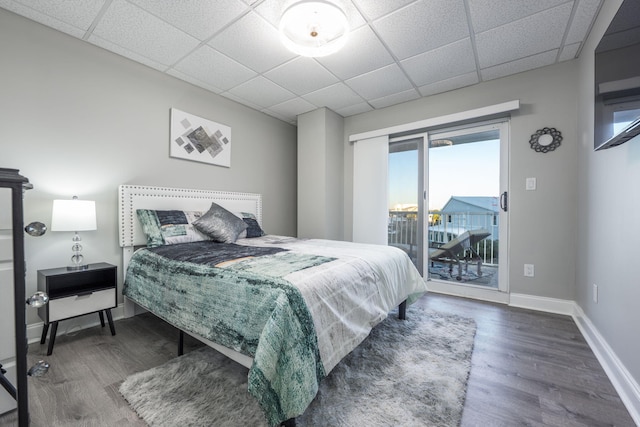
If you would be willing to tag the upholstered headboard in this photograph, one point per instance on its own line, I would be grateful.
(132, 197)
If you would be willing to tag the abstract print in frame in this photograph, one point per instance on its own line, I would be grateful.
(199, 139)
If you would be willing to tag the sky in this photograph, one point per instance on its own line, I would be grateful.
(460, 170)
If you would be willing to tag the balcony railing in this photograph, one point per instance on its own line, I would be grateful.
(443, 227)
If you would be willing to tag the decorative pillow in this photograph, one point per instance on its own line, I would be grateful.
(220, 224)
(253, 228)
(170, 227)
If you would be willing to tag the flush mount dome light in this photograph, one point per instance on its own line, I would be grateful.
(314, 28)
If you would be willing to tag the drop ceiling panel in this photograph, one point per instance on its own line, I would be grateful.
(582, 19)
(442, 63)
(293, 108)
(383, 82)
(527, 36)
(423, 26)
(363, 53)
(126, 25)
(253, 42)
(335, 97)
(569, 52)
(449, 84)
(488, 14)
(262, 92)
(199, 18)
(396, 98)
(202, 63)
(301, 76)
(398, 49)
(376, 9)
(518, 66)
(355, 109)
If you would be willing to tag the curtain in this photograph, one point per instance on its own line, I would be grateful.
(370, 190)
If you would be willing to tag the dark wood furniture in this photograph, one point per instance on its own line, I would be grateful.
(74, 293)
(10, 178)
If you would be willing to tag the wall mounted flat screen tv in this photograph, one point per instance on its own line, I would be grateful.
(617, 79)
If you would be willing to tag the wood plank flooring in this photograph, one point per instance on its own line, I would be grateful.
(529, 369)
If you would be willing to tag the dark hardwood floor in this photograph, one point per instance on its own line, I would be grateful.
(529, 369)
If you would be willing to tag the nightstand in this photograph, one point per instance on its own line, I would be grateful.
(74, 293)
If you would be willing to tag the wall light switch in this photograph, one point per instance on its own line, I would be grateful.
(530, 184)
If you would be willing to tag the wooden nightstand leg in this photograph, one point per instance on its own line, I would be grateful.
(52, 337)
(101, 318)
(110, 319)
(45, 329)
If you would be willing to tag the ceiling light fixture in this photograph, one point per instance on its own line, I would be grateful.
(314, 28)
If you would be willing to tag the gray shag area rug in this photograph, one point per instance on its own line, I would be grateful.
(406, 373)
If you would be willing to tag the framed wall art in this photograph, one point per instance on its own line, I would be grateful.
(199, 139)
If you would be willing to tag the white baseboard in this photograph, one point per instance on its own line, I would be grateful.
(627, 388)
(34, 331)
(466, 291)
(549, 305)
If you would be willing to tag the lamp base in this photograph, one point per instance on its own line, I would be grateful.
(77, 258)
(77, 267)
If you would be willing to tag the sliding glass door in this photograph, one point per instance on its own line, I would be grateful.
(447, 204)
(406, 204)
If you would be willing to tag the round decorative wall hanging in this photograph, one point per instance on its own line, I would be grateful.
(545, 140)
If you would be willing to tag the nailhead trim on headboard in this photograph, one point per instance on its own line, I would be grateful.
(132, 197)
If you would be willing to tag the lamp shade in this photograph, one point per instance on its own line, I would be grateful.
(73, 215)
(314, 28)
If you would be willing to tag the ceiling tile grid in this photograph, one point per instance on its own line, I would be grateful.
(210, 66)
(334, 97)
(423, 26)
(450, 84)
(442, 63)
(398, 50)
(301, 76)
(524, 37)
(254, 42)
(262, 91)
(198, 18)
(364, 52)
(126, 25)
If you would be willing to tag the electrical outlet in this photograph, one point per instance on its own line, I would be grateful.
(595, 293)
(528, 270)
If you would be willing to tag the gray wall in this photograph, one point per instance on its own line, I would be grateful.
(78, 120)
(608, 222)
(320, 168)
(542, 223)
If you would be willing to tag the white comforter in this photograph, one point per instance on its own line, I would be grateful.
(347, 297)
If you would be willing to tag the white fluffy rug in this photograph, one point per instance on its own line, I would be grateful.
(406, 373)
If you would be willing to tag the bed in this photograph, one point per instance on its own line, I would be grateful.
(288, 309)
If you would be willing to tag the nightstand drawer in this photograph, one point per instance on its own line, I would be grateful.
(76, 305)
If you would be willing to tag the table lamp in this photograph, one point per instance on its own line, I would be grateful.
(74, 215)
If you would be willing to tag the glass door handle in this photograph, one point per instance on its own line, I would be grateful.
(504, 201)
